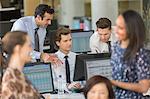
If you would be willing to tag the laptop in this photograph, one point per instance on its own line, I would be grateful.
(40, 75)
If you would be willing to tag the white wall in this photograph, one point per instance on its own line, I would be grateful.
(69, 9)
(104, 8)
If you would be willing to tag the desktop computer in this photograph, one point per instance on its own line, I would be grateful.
(80, 41)
(5, 26)
(88, 65)
(40, 75)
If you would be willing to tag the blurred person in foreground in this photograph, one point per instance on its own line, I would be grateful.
(16, 49)
(98, 87)
(130, 59)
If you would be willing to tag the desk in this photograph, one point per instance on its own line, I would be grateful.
(64, 96)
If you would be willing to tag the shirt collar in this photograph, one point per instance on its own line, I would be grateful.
(62, 55)
(34, 23)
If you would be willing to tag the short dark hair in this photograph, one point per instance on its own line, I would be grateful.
(41, 9)
(103, 23)
(135, 32)
(61, 31)
(96, 80)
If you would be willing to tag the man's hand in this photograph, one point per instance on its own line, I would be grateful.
(74, 85)
(51, 58)
(44, 57)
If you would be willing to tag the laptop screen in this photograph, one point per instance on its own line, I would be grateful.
(40, 75)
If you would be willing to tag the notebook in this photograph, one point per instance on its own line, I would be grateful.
(40, 75)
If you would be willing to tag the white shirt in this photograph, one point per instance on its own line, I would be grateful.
(61, 70)
(28, 24)
(98, 46)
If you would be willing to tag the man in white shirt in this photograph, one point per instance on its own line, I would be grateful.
(63, 41)
(100, 41)
(37, 24)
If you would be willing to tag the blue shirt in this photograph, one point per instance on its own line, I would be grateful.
(137, 70)
(28, 24)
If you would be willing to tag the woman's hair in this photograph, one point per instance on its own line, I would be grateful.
(9, 41)
(135, 32)
(96, 80)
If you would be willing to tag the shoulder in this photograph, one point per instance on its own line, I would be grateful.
(12, 74)
(8, 83)
(27, 20)
(116, 49)
(58, 53)
(143, 58)
(24, 19)
(73, 53)
(94, 35)
(8, 75)
(115, 44)
(94, 38)
(144, 53)
(22, 23)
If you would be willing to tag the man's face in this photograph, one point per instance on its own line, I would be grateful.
(65, 43)
(104, 34)
(46, 20)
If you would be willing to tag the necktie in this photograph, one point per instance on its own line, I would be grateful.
(109, 46)
(67, 70)
(36, 40)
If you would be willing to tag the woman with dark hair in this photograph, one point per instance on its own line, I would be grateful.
(130, 60)
(98, 87)
(16, 49)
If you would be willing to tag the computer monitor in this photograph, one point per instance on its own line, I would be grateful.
(50, 35)
(98, 66)
(40, 75)
(8, 15)
(83, 60)
(80, 41)
(5, 26)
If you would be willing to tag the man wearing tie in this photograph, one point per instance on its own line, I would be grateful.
(63, 41)
(101, 40)
(36, 26)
